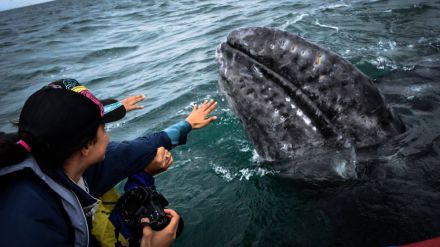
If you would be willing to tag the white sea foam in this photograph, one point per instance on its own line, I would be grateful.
(223, 172)
(256, 157)
(299, 18)
(382, 62)
(247, 173)
(245, 149)
(242, 174)
(335, 6)
(326, 26)
(387, 45)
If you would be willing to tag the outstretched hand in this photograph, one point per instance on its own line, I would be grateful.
(199, 115)
(130, 103)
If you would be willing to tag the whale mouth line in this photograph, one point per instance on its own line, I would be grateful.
(319, 119)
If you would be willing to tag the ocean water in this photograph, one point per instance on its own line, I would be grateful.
(226, 194)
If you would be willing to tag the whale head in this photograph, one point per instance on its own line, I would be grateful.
(292, 95)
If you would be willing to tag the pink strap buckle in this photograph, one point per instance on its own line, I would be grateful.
(24, 145)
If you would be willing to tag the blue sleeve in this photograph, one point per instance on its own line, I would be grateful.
(123, 159)
(178, 132)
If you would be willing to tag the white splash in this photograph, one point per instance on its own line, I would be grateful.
(242, 174)
(223, 172)
(247, 173)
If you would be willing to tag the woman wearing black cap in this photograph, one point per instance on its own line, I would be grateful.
(60, 161)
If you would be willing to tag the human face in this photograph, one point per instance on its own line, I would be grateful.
(97, 149)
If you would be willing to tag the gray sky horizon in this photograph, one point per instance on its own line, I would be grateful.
(13, 4)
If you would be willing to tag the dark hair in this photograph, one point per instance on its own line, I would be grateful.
(48, 156)
(55, 123)
(11, 152)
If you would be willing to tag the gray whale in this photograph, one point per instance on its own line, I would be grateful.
(296, 99)
(292, 95)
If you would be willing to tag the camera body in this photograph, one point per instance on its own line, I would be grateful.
(137, 203)
(143, 202)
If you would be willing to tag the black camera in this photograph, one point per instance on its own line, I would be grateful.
(135, 204)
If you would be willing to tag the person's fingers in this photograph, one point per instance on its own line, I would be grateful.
(166, 156)
(172, 214)
(170, 161)
(208, 106)
(136, 107)
(211, 107)
(166, 162)
(170, 211)
(138, 98)
(174, 218)
(195, 107)
(207, 121)
(160, 154)
(161, 150)
(211, 119)
(205, 102)
(147, 233)
(132, 99)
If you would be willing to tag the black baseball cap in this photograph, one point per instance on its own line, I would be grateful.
(62, 113)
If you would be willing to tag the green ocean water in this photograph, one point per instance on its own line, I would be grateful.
(226, 194)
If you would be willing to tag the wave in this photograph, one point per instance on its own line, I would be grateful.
(7, 44)
(41, 73)
(91, 28)
(113, 52)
